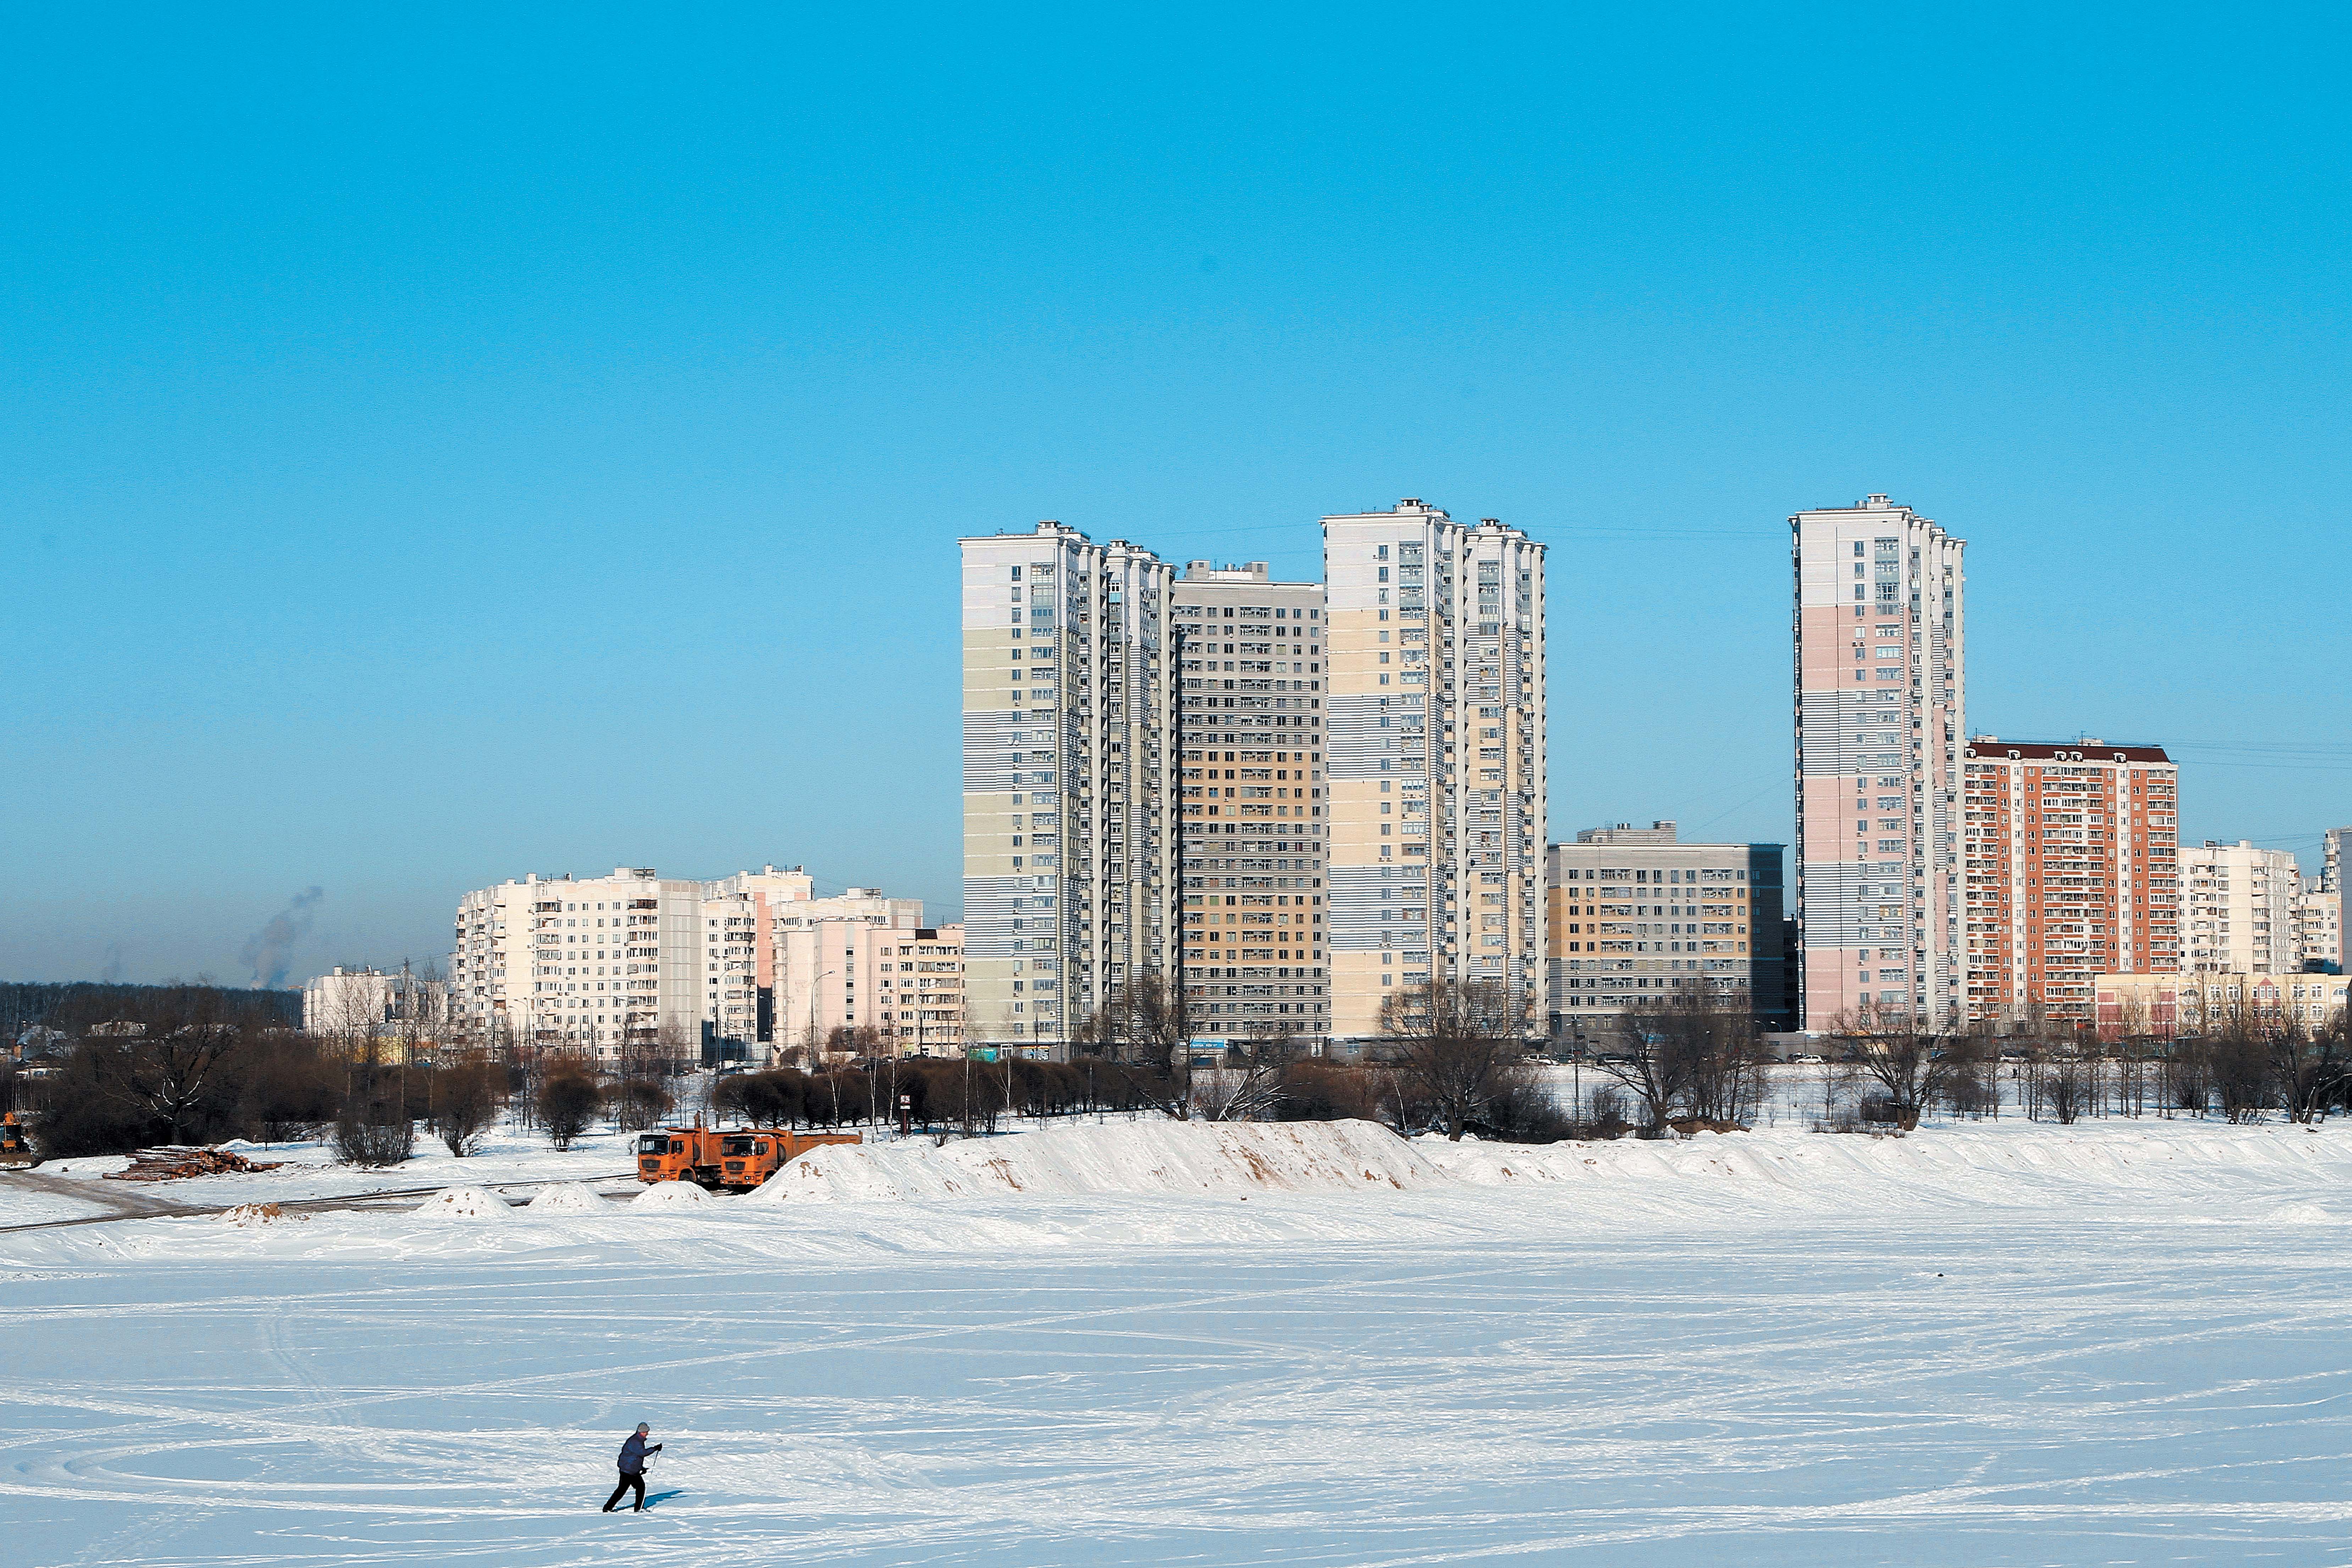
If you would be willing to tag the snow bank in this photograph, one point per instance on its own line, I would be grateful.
(664, 1193)
(1149, 1157)
(463, 1203)
(567, 1197)
(248, 1215)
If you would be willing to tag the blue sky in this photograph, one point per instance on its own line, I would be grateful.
(437, 449)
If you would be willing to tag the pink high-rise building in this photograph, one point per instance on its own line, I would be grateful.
(1881, 698)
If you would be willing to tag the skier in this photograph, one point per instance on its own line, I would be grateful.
(633, 1469)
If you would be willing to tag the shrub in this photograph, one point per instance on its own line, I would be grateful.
(568, 1102)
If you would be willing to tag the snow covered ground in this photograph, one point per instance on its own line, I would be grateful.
(1146, 1343)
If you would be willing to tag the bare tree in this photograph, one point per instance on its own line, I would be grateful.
(1695, 1055)
(1248, 1084)
(465, 1103)
(1916, 1064)
(1454, 1038)
(2313, 1068)
(1148, 1022)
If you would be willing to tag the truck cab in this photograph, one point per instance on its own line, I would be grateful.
(678, 1155)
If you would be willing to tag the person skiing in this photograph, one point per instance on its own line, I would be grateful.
(633, 1469)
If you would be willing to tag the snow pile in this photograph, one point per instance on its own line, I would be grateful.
(664, 1193)
(248, 1215)
(1149, 1157)
(567, 1197)
(463, 1203)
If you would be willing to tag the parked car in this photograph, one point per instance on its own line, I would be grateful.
(1809, 1056)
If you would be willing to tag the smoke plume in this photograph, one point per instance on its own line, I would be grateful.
(267, 950)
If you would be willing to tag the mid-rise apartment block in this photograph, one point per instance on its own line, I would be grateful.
(2072, 866)
(1069, 779)
(2240, 913)
(1250, 659)
(1434, 758)
(1639, 918)
(691, 968)
(1881, 697)
(362, 1002)
(2318, 919)
(903, 983)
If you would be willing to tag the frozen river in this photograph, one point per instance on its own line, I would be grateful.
(1974, 1346)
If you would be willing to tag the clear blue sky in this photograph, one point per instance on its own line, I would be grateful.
(438, 448)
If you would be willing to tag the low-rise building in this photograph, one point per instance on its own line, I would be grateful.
(2171, 1007)
(1637, 916)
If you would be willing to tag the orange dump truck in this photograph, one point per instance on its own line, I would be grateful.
(749, 1155)
(737, 1160)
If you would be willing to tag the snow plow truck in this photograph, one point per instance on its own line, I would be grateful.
(736, 1160)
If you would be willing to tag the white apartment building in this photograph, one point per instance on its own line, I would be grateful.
(1638, 917)
(687, 967)
(2319, 929)
(1250, 733)
(1069, 779)
(1434, 758)
(904, 983)
(588, 964)
(1881, 699)
(2238, 914)
(348, 1003)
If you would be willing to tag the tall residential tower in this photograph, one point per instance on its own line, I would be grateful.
(1069, 785)
(1251, 730)
(1434, 758)
(1881, 697)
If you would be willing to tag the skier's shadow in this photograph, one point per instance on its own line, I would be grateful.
(663, 1497)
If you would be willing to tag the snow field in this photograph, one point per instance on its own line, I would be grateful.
(1996, 1345)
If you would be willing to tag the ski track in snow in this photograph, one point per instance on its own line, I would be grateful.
(2123, 1343)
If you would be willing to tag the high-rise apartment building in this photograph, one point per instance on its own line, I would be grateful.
(1250, 658)
(2240, 911)
(1880, 694)
(2335, 844)
(1434, 758)
(2072, 867)
(1069, 779)
(1638, 917)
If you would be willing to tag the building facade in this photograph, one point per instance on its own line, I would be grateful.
(2318, 930)
(1069, 780)
(901, 984)
(1639, 918)
(2168, 1006)
(592, 965)
(1434, 758)
(352, 1003)
(1250, 733)
(2240, 913)
(2071, 870)
(745, 920)
(1881, 697)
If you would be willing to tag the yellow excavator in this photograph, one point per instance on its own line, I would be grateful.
(16, 1152)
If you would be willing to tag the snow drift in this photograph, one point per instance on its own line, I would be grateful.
(1149, 1157)
(567, 1197)
(661, 1193)
(463, 1203)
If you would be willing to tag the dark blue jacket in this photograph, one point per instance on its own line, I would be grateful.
(633, 1455)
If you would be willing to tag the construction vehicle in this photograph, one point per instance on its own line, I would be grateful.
(749, 1155)
(16, 1152)
(736, 1161)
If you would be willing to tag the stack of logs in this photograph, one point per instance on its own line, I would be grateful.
(171, 1164)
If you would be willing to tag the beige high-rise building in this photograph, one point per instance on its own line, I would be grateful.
(1250, 727)
(1434, 758)
(1069, 780)
(2073, 869)
(1881, 699)
(2240, 913)
(2319, 929)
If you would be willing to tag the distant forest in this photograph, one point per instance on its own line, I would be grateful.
(74, 1005)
